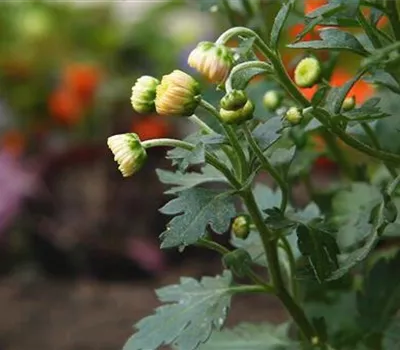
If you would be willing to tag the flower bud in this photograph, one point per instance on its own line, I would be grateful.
(212, 60)
(272, 99)
(144, 94)
(307, 72)
(236, 107)
(349, 103)
(176, 94)
(128, 153)
(293, 115)
(241, 226)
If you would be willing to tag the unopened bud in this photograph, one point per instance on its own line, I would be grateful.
(307, 72)
(144, 94)
(241, 226)
(272, 99)
(349, 103)
(176, 94)
(128, 152)
(293, 115)
(236, 107)
(214, 61)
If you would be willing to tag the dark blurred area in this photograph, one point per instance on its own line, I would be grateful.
(73, 233)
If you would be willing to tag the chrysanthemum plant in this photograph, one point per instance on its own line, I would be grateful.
(323, 261)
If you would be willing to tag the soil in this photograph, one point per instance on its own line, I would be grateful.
(85, 315)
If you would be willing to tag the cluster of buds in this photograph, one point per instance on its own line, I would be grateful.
(212, 60)
(307, 72)
(236, 108)
(128, 152)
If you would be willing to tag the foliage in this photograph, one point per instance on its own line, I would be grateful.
(323, 258)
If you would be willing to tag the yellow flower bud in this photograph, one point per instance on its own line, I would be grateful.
(293, 115)
(272, 99)
(128, 152)
(176, 94)
(144, 94)
(349, 103)
(236, 107)
(307, 72)
(211, 60)
(241, 226)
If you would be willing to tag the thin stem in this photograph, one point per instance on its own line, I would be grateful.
(393, 17)
(351, 141)
(210, 159)
(248, 289)
(268, 167)
(230, 133)
(195, 119)
(206, 243)
(368, 30)
(273, 263)
(374, 140)
(229, 12)
(248, 8)
(292, 264)
(245, 66)
(338, 154)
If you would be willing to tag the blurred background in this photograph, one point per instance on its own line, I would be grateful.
(79, 252)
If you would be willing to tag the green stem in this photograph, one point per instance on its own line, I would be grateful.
(230, 133)
(229, 12)
(268, 167)
(292, 264)
(351, 141)
(338, 154)
(248, 8)
(393, 17)
(245, 66)
(210, 159)
(195, 119)
(206, 243)
(375, 142)
(248, 289)
(270, 248)
(368, 30)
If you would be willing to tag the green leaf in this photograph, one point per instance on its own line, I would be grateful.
(321, 249)
(241, 78)
(336, 96)
(319, 96)
(282, 156)
(380, 77)
(184, 181)
(333, 39)
(325, 10)
(391, 338)
(265, 197)
(367, 112)
(252, 337)
(199, 207)
(352, 212)
(379, 299)
(245, 50)
(194, 310)
(279, 23)
(266, 134)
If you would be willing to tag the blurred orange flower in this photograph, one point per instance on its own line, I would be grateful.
(13, 142)
(64, 106)
(82, 79)
(151, 127)
(312, 5)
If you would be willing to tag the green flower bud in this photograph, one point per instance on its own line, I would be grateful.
(307, 72)
(144, 94)
(272, 99)
(128, 152)
(293, 115)
(241, 226)
(176, 94)
(212, 60)
(349, 103)
(236, 107)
